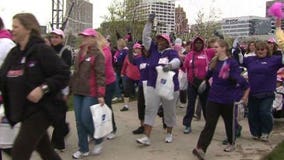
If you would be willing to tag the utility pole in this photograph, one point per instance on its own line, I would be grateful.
(57, 13)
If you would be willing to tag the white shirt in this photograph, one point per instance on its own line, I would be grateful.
(6, 45)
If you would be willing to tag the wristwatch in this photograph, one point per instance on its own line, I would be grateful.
(44, 88)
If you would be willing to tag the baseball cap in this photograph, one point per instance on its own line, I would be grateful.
(137, 46)
(164, 36)
(271, 40)
(58, 32)
(89, 32)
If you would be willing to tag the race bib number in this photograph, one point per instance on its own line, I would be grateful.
(142, 66)
(163, 60)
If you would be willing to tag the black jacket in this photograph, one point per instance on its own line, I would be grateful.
(66, 54)
(22, 71)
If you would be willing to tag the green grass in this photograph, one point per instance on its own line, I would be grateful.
(277, 153)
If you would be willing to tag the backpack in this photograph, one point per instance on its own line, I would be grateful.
(66, 47)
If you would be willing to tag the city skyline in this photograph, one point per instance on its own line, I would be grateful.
(229, 8)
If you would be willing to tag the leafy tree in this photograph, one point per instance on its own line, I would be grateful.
(205, 28)
(119, 20)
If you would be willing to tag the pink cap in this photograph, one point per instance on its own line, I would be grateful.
(89, 32)
(271, 40)
(280, 74)
(137, 46)
(165, 36)
(58, 32)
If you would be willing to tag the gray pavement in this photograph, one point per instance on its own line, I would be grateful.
(124, 146)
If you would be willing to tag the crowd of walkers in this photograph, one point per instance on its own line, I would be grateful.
(36, 83)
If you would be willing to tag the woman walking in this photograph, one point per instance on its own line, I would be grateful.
(31, 79)
(88, 88)
(160, 55)
(226, 76)
(262, 72)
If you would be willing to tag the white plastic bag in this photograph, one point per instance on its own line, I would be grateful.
(102, 119)
(7, 133)
(241, 110)
(182, 79)
(165, 84)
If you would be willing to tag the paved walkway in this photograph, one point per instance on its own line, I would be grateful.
(124, 146)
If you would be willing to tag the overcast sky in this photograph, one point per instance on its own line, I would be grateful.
(226, 8)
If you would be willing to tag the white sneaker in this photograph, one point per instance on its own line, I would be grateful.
(229, 148)
(264, 137)
(144, 140)
(182, 105)
(90, 139)
(169, 138)
(111, 136)
(114, 99)
(97, 149)
(78, 155)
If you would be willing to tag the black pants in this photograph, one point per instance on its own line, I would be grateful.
(141, 103)
(183, 96)
(33, 136)
(110, 90)
(213, 111)
(61, 129)
(129, 87)
(192, 94)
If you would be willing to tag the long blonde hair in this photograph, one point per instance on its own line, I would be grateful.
(121, 44)
(222, 43)
(101, 42)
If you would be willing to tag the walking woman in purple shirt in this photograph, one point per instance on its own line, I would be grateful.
(160, 55)
(262, 73)
(226, 78)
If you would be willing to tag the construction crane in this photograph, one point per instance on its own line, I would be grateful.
(58, 19)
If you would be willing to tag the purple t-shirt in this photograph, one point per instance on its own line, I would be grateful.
(262, 73)
(160, 59)
(227, 82)
(143, 65)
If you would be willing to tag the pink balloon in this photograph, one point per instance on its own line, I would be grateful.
(276, 10)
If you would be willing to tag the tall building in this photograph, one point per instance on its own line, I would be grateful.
(81, 15)
(181, 21)
(245, 26)
(139, 10)
(268, 5)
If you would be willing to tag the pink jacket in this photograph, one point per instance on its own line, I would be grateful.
(109, 71)
(130, 70)
(201, 62)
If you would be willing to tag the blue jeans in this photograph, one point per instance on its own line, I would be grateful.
(110, 89)
(84, 120)
(118, 85)
(260, 115)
